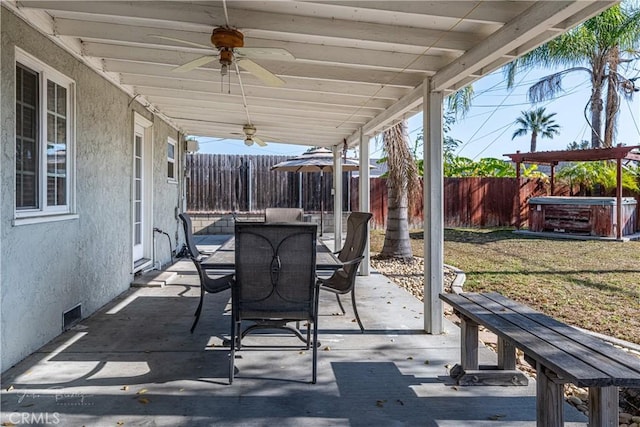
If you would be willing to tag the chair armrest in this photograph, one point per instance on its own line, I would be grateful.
(353, 261)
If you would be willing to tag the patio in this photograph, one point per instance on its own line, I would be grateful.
(135, 363)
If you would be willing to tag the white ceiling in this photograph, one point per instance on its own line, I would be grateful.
(358, 64)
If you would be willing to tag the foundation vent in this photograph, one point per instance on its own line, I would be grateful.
(71, 317)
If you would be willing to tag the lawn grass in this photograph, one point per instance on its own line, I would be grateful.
(591, 284)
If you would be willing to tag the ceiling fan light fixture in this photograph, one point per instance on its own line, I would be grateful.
(248, 141)
(224, 37)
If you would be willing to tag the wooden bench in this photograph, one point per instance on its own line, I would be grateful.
(560, 354)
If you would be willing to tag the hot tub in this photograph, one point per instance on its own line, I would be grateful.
(594, 216)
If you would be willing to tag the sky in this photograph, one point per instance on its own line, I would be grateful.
(487, 128)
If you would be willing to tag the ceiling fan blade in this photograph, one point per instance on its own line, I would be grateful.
(194, 64)
(259, 141)
(264, 53)
(262, 73)
(157, 36)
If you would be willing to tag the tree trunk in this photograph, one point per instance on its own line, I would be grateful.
(534, 140)
(597, 80)
(613, 99)
(397, 242)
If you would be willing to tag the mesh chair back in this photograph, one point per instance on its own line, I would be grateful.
(283, 215)
(188, 235)
(357, 232)
(344, 278)
(275, 271)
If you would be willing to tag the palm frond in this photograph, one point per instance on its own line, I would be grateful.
(402, 170)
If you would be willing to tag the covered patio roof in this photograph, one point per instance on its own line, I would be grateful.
(359, 65)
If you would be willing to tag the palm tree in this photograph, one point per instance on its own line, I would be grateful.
(402, 181)
(598, 47)
(538, 123)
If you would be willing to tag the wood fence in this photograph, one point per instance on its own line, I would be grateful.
(222, 184)
(219, 183)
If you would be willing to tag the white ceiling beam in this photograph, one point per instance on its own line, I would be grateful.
(336, 91)
(287, 97)
(309, 53)
(266, 116)
(306, 71)
(281, 132)
(533, 22)
(223, 101)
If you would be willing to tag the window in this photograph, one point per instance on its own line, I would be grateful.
(171, 160)
(44, 139)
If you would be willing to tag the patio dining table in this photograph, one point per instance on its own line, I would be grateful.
(224, 258)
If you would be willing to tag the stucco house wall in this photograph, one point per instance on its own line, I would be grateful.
(49, 267)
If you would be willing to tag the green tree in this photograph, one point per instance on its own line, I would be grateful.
(594, 176)
(538, 123)
(582, 145)
(402, 183)
(598, 47)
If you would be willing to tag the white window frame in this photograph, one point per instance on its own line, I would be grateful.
(173, 160)
(45, 213)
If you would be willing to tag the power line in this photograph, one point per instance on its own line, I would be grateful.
(483, 123)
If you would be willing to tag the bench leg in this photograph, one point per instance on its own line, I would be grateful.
(469, 344)
(506, 355)
(549, 399)
(603, 406)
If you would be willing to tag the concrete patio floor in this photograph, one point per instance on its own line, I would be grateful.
(134, 363)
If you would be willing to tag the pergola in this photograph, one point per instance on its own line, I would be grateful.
(552, 158)
(359, 68)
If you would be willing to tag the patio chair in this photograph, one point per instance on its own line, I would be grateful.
(275, 282)
(343, 280)
(188, 237)
(272, 215)
(209, 284)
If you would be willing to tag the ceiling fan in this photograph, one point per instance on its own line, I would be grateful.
(230, 44)
(250, 136)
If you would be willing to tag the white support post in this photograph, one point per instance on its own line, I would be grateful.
(337, 197)
(364, 192)
(433, 210)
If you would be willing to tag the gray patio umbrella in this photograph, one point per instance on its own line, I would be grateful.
(316, 160)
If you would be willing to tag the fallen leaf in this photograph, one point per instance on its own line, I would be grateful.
(400, 402)
(426, 362)
(327, 348)
(8, 424)
(142, 391)
(120, 423)
(124, 388)
(455, 387)
(143, 400)
(10, 388)
(380, 403)
(410, 358)
(302, 352)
